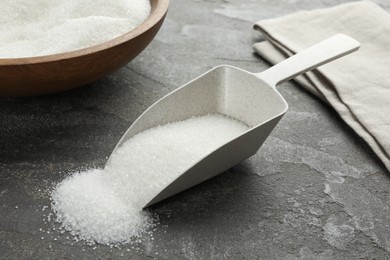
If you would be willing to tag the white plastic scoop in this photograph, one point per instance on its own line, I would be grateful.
(249, 97)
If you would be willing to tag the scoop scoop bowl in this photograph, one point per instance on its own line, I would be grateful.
(249, 97)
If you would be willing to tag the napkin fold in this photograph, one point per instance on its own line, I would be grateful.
(356, 86)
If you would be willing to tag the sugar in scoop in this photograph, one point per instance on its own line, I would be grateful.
(43, 27)
(105, 205)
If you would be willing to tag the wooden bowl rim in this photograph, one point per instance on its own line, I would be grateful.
(158, 11)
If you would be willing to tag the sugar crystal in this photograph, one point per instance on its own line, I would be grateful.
(42, 27)
(105, 205)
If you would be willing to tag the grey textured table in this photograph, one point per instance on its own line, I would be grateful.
(314, 190)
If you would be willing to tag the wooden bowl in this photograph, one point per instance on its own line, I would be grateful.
(64, 71)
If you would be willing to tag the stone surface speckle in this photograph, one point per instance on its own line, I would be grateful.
(314, 191)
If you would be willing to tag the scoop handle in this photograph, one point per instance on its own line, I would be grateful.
(315, 56)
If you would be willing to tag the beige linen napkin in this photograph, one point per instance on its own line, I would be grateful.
(356, 86)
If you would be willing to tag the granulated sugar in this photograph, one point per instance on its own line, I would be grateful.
(42, 27)
(105, 205)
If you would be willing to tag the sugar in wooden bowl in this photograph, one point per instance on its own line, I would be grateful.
(71, 43)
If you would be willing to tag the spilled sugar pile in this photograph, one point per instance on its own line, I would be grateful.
(105, 205)
(42, 27)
